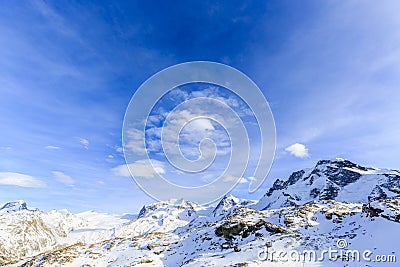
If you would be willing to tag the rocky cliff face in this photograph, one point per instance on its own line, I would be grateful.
(336, 179)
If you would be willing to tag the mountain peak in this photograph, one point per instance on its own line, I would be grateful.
(332, 179)
(227, 203)
(340, 163)
(169, 205)
(14, 206)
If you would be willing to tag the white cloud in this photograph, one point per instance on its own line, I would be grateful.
(63, 178)
(231, 100)
(189, 124)
(199, 126)
(140, 168)
(22, 180)
(52, 147)
(116, 148)
(298, 150)
(242, 180)
(189, 119)
(251, 178)
(135, 141)
(84, 142)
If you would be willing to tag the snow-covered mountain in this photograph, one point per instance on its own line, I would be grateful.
(14, 206)
(337, 179)
(227, 203)
(26, 232)
(313, 210)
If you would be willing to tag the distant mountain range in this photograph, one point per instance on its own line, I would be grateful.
(313, 209)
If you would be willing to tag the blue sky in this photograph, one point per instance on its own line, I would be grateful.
(330, 71)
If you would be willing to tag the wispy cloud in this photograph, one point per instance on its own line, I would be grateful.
(84, 142)
(19, 179)
(193, 120)
(58, 22)
(241, 180)
(63, 178)
(135, 143)
(52, 147)
(140, 168)
(298, 150)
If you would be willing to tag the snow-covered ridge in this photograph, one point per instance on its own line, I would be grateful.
(228, 203)
(15, 206)
(26, 232)
(337, 179)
